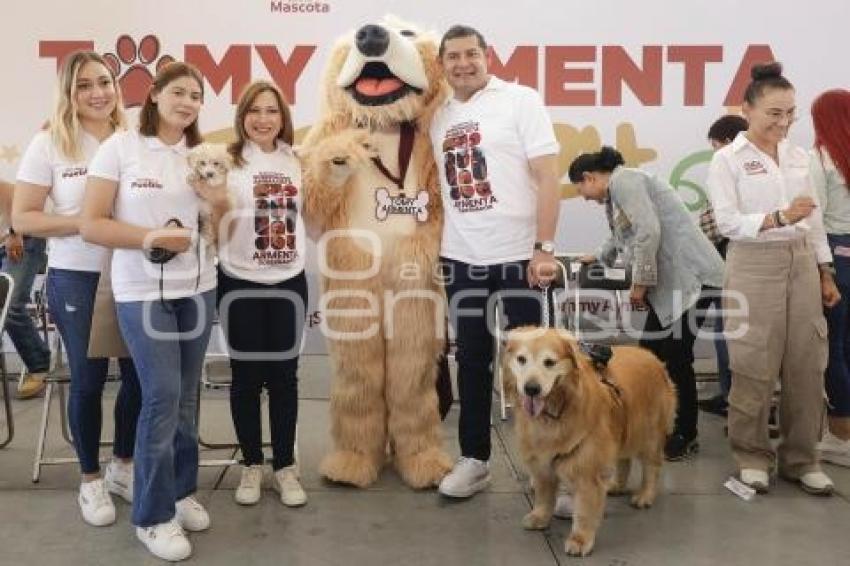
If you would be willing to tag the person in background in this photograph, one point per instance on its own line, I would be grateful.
(779, 277)
(22, 257)
(653, 230)
(830, 170)
(720, 134)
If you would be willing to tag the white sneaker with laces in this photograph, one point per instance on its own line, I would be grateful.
(468, 477)
(95, 504)
(166, 541)
(191, 515)
(119, 479)
(756, 479)
(291, 492)
(834, 450)
(817, 483)
(250, 485)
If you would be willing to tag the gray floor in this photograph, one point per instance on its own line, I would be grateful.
(695, 521)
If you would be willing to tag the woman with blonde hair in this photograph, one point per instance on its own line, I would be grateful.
(262, 291)
(87, 111)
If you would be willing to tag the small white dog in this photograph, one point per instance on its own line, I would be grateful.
(209, 163)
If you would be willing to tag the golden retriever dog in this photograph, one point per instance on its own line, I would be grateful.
(581, 424)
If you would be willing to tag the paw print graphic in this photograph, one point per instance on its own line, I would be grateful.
(136, 79)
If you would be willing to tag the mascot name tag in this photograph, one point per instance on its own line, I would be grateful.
(386, 205)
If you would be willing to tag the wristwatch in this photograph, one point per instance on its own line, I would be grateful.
(546, 246)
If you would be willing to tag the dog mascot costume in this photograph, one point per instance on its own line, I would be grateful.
(372, 192)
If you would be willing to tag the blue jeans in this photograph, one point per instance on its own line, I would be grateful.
(30, 346)
(838, 318)
(70, 296)
(168, 341)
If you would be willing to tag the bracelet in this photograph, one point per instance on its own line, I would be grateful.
(778, 218)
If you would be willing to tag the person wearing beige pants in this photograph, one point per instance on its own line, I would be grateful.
(779, 275)
(781, 332)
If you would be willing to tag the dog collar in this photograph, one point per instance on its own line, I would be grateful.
(405, 151)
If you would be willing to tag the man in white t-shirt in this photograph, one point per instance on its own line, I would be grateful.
(496, 151)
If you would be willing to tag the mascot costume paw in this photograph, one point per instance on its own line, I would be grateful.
(372, 192)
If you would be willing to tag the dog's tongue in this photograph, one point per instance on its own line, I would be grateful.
(533, 405)
(377, 87)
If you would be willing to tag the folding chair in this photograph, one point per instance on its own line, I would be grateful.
(7, 285)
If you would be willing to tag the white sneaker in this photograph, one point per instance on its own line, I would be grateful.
(250, 485)
(95, 504)
(564, 506)
(291, 492)
(817, 483)
(468, 477)
(756, 479)
(834, 450)
(191, 515)
(166, 541)
(119, 479)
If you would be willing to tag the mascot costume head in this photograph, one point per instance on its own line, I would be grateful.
(372, 193)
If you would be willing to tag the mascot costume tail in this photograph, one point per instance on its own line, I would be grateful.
(372, 192)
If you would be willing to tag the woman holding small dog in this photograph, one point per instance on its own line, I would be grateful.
(651, 225)
(778, 280)
(87, 112)
(262, 290)
(139, 202)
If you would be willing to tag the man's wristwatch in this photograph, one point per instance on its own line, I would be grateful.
(546, 246)
(828, 267)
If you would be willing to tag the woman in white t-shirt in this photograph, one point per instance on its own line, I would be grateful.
(262, 291)
(87, 111)
(139, 203)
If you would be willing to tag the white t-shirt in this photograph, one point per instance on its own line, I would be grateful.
(482, 147)
(268, 240)
(152, 190)
(43, 164)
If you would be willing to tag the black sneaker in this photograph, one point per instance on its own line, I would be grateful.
(716, 405)
(678, 447)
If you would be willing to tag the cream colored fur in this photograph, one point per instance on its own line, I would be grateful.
(383, 397)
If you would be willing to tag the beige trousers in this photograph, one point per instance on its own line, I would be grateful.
(775, 328)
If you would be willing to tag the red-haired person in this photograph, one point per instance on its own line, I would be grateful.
(830, 169)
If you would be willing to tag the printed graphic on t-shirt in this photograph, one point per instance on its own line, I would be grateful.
(466, 168)
(145, 183)
(275, 215)
(755, 167)
(76, 171)
(387, 204)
